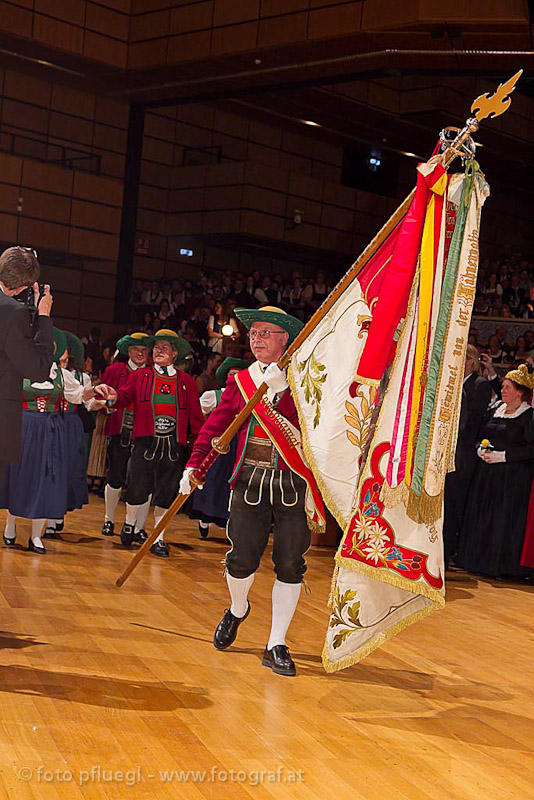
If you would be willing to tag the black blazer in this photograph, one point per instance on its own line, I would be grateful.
(25, 352)
(476, 396)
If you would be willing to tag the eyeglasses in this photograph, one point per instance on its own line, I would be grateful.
(265, 333)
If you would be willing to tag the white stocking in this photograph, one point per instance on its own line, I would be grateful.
(111, 497)
(159, 513)
(285, 598)
(131, 513)
(142, 514)
(10, 531)
(239, 589)
(37, 529)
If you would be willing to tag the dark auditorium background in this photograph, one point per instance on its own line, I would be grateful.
(148, 138)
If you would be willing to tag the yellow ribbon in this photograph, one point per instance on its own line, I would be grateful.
(426, 284)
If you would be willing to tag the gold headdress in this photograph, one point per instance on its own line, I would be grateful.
(522, 376)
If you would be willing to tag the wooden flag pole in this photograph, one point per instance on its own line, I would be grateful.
(483, 107)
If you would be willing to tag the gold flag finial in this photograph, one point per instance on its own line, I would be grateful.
(487, 105)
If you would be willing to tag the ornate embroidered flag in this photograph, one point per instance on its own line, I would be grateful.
(377, 387)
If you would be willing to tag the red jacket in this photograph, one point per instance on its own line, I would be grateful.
(115, 375)
(232, 402)
(138, 391)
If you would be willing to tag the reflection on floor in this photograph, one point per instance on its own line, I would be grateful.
(111, 693)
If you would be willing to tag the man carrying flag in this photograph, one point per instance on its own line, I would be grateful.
(273, 487)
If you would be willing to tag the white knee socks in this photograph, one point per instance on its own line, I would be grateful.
(37, 529)
(159, 512)
(239, 589)
(10, 530)
(284, 599)
(131, 513)
(111, 497)
(142, 514)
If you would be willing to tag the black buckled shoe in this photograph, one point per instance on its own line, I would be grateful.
(127, 534)
(8, 541)
(60, 526)
(279, 660)
(204, 529)
(108, 528)
(160, 549)
(34, 548)
(140, 536)
(226, 630)
(50, 532)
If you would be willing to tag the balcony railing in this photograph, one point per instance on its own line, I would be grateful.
(18, 144)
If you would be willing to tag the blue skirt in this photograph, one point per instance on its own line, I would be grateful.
(36, 486)
(211, 504)
(77, 492)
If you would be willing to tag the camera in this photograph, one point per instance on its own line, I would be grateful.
(27, 297)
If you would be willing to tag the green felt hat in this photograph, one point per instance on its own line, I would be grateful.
(181, 345)
(137, 339)
(60, 344)
(75, 348)
(221, 373)
(270, 314)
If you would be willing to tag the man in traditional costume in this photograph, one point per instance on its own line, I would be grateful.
(119, 428)
(273, 487)
(166, 412)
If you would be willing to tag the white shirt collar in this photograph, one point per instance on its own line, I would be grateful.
(170, 370)
(133, 366)
(500, 413)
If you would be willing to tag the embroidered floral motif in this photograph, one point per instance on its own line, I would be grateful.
(341, 605)
(371, 539)
(313, 376)
(359, 419)
(346, 616)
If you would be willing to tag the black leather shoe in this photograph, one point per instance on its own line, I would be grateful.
(33, 548)
(108, 528)
(279, 660)
(127, 534)
(140, 536)
(60, 526)
(160, 549)
(204, 529)
(50, 532)
(226, 630)
(8, 542)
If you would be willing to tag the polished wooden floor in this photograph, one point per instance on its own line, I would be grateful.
(104, 692)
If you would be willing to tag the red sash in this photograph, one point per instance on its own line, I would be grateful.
(286, 438)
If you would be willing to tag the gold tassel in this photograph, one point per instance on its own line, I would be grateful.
(394, 496)
(425, 509)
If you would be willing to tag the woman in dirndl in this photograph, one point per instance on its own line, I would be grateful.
(36, 487)
(493, 526)
(77, 493)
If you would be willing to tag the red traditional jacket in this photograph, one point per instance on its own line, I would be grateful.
(139, 392)
(116, 375)
(232, 402)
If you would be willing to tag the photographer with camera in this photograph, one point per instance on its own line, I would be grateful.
(26, 343)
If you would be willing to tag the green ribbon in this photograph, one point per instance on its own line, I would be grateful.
(442, 326)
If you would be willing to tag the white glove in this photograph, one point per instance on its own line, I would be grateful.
(494, 456)
(185, 483)
(275, 378)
